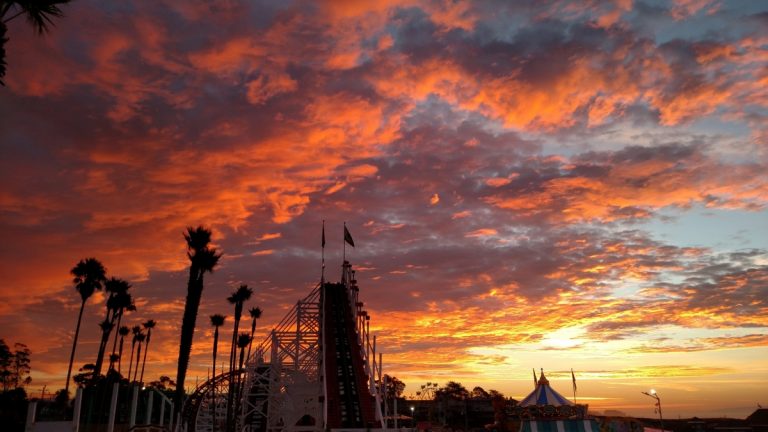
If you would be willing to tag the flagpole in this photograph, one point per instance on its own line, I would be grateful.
(344, 251)
(322, 257)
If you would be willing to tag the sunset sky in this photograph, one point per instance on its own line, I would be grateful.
(529, 184)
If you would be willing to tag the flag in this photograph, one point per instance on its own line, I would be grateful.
(535, 381)
(348, 237)
(323, 241)
(573, 377)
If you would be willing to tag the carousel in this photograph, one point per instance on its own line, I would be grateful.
(546, 410)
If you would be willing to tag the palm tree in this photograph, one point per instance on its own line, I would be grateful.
(118, 300)
(216, 321)
(89, 275)
(255, 313)
(203, 258)
(149, 325)
(130, 307)
(124, 303)
(240, 296)
(123, 332)
(136, 330)
(139, 338)
(39, 13)
(106, 328)
(243, 340)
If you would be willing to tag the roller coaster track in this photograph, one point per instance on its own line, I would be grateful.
(317, 370)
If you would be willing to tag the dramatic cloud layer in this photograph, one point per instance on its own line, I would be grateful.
(521, 180)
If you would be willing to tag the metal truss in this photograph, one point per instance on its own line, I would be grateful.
(283, 380)
(201, 404)
(282, 384)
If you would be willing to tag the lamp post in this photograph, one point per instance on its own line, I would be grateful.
(413, 419)
(655, 395)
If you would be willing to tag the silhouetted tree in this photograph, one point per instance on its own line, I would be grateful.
(85, 376)
(149, 325)
(238, 298)
(479, 393)
(394, 387)
(453, 390)
(255, 313)
(216, 321)
(6, 358)
(165, 384)
(89, 275)
(203, 258)
(140, 338)
(39, 13)
(14, 366)
(123, 332)
(106, 328)
(453, 404)
(136, 330)
(118, 300)
(243, 340)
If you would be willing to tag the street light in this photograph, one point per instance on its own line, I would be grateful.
(655, 395)
(413, 419)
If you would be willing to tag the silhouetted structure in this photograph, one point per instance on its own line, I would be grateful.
(317, 370)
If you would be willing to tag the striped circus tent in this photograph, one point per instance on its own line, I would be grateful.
(588, 425)
(544, 395)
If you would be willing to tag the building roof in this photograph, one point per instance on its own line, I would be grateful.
(759, 417)
(544, 395)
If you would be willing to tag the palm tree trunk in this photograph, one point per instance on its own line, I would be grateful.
(233, 348)
(253, 330)
(191, 306)
(213, 394)
(120, 356)
(130, 363)
(238, 390)
(138, 357)
(102, 348)
(232, 362)
(146, 350)
(117, 333)
(74, 345)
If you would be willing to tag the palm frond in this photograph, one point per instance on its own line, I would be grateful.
(40, 13)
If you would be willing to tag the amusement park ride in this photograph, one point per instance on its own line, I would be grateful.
(317, 370)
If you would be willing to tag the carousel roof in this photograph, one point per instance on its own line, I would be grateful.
(544, 395)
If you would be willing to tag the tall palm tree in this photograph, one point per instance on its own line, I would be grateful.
(216, 321)
(106, 328)
(123, 332)
(39, 13)
(255, 313)
(202, 258)
(89, 275)
(149, 325)
(140, 339)
(130, 307)
(243, 340)
(136, 330)
(238, 298)
(118, 300)
(124, 303)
